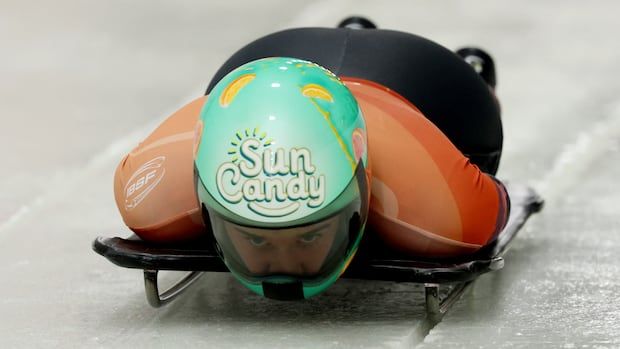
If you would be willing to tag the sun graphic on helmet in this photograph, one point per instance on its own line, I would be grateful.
(241, 135)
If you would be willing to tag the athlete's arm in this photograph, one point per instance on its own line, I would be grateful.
(154, 183)
(427, 198)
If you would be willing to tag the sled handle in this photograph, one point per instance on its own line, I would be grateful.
(151, 287)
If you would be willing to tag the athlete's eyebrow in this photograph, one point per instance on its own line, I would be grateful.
(320, 227)
(248, 234)
(310, 232)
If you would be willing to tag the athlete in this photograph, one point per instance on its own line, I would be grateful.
(308, 137)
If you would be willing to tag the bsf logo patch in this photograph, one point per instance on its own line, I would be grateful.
(143, 181)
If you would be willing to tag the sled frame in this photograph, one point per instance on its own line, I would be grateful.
(456, 274)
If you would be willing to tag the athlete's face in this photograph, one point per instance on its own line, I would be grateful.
(296, 251)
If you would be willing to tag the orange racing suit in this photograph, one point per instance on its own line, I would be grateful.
(426, 197)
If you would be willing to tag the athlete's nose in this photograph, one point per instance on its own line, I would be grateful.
(286, 262)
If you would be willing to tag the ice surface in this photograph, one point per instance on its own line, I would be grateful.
(82, 82)
(560, 286)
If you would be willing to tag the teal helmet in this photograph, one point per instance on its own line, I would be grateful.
(282, 174)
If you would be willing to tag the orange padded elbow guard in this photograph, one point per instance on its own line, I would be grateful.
(153, 184)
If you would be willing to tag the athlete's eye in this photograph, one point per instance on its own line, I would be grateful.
(257, 241)
(310, 238)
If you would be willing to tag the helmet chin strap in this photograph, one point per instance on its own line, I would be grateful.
(289, 291)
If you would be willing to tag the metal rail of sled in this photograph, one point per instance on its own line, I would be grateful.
(376, 263)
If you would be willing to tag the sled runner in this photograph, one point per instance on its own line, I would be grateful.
(374, 260)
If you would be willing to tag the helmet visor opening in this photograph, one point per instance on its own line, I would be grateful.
(298, 251)
(309, 253)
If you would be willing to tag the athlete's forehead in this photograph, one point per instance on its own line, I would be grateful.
(326, 225)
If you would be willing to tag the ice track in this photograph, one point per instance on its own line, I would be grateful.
(82, 82)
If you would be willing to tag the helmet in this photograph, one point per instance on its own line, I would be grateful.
(282, 173)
